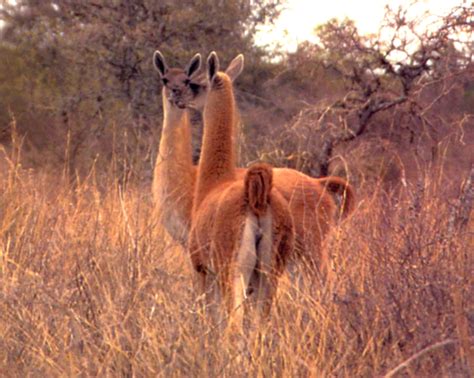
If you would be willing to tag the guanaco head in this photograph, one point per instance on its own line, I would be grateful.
(182, 88)
(233, 70)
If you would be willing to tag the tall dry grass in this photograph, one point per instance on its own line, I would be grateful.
(90, 286)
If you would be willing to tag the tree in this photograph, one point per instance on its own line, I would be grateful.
(121, 36)
(408, 71)
(99, 53)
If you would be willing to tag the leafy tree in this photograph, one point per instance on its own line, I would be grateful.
(95, 57)
(121, 36)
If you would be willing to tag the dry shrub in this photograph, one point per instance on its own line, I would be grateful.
(90, 286)
(401, 264)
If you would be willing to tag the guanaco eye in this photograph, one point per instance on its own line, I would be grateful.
(187, 81)
(164, 80)
(195, 88)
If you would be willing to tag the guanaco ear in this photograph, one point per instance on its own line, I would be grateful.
(193, 66)
(235, 67)
(160, 63)
(212, 66)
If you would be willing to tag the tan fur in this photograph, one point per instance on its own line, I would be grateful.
(174, 174)
(228, 213)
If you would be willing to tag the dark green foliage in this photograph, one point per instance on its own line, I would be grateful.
(81, 73)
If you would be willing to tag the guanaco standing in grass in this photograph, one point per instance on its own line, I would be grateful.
(174, 175)
(242, 229)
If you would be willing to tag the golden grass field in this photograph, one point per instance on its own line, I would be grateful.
(89, 286)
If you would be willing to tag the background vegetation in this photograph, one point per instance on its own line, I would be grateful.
(88, 283)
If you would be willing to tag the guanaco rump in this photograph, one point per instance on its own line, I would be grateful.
(311, 200)
(242, 230)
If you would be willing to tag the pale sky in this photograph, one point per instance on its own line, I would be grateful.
(298, 20)
(300, 17)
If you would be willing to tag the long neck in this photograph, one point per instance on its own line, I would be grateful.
(174, 174)
(175, 143)
(217, 163)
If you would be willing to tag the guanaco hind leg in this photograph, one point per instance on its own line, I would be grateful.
(245, 265)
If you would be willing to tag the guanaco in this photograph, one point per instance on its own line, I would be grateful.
(242, 228)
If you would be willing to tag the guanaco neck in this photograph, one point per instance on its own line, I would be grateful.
(173, 179)
(217, 163)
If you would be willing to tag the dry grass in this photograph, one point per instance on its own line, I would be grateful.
(89, 286)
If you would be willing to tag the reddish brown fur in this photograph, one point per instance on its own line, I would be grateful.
(311, 203)
(223, 202)
(258, 184)
(341, 187)
(219, 222)
(217, 163)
